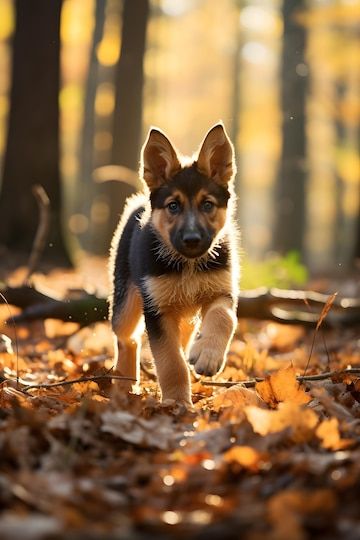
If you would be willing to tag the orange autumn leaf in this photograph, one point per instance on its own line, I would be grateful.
(236, 397)
(246, 456)
(329, 434)
(301, 422)
(203, 391)
(282, 386)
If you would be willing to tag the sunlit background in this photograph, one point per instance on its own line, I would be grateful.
(205, 61)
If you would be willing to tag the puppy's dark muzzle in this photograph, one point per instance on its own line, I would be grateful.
(193, 244)
(191, 240)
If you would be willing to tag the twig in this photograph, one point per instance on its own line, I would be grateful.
(42, 230)
(323, 314)
(301, 378)
(79, 380)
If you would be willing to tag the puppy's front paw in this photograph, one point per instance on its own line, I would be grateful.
(206, 357)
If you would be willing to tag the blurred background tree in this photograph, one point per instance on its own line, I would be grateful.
(291, 188)
(32, 145)
(284, 77)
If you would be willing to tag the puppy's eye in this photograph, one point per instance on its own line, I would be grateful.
(207, 206)
(174, 207)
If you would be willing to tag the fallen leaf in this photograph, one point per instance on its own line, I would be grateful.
(329, 434)
(282, 386)
(204, 391)
(237, 397)
(325, 310)
(154, 433)
(246, 456)
(302, 422)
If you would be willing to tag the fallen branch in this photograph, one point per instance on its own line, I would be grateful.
(79, 380)
(251, 383)
(291, 307)
(280, 305)
(84, 310)
(301, 378)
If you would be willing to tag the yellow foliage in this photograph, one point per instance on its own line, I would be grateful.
(6, 19)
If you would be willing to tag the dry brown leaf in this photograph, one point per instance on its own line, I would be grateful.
(300, 421)
(8, 394)
(154, 433)
(282, 386)
(237, 397)
(325, 310)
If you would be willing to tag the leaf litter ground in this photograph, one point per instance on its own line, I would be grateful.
(277, 461)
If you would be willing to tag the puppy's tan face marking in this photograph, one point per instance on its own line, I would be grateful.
(182, 215)
(214, 217)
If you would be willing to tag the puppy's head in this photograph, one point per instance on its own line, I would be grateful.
(189, 203)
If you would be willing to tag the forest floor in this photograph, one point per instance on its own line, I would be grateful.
(280, 460)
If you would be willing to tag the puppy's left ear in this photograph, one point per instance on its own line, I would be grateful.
(216, 156)
(159, 161)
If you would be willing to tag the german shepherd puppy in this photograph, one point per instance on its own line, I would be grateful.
(174, 260)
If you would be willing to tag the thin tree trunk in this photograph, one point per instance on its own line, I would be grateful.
(129, 85)
(87, 156)
(32, 151)
(87, 148)
(289, 230)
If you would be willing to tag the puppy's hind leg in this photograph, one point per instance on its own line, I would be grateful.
(126, 324)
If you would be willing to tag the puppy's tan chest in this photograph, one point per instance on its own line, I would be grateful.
(188, 289)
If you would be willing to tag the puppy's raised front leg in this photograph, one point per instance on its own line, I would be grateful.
(208, 353)
(171, 367)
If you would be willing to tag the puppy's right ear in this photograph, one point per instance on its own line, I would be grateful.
(159, 161)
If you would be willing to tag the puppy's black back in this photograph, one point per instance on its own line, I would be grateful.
(120, 262)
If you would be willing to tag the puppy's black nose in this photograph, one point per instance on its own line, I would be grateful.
(191, 238)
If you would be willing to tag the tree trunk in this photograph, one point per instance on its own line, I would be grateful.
(88, 131)
(32, 151)
(127, 124)
(129, 85)
(289, 229)
(87, 156)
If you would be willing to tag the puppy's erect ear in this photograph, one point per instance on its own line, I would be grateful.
(159, 160)
(216, 156)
